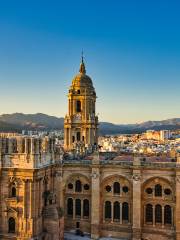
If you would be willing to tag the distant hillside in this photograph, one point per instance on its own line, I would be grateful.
(17, 121)
(36, 121)
(6, 127)
(109, 128)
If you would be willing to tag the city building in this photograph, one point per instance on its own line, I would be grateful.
(45, 192)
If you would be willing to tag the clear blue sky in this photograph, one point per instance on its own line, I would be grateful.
(132, 53)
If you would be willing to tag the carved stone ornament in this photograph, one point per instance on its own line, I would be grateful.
(15, 180)
(77, 117)
(12, 179)
(94, 175)
(136, 177)
(58, 174)
(46, 179)
(178, 179)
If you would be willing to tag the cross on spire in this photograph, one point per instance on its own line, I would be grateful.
(82, 56)
(82, 65)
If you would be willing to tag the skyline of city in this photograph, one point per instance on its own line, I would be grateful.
(131, 50)
(91, 63)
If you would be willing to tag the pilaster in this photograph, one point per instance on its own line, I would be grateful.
(177, 218)
(95, 198)
(136, 217)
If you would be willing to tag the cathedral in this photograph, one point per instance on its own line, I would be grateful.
(47, 193)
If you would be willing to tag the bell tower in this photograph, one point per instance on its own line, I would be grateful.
(81, 122)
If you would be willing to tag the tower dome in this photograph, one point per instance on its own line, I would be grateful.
(81, 79)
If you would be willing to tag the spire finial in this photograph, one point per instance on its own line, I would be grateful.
(82, 57)
(82, 65)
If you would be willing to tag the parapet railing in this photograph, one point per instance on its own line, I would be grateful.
(75, 161)
(125, 163)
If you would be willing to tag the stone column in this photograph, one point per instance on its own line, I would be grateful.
(71, 102)
(25, 205)
(112, 212)
(103, 212)
(60, 187)
(27, 198)
(144, 214)
(89, 135)
(172, 216)
(10, 146)
(74, 106)
(74, 209)
(163, 216)
(81, 209)
(37, 146)
(177, 217)
(136, 221)
(32, 146)
(70, 137)
(121, 213)
(39, 203)
(26, 145)
(67, 137)
(86, 136)
(69, 107)
(4, 184)
(154, 216)
(95, 198)
(39, 195)
(24, 199)
(30, 198)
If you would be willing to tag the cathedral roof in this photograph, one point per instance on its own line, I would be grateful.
(81, 79)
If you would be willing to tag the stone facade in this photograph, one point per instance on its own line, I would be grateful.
(105, 198)
(119, 195)
(28, 183)
(43, 194)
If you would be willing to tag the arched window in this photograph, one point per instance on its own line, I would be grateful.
(78, 207)
(73, 139)
(86, 208)
(125, 211)
(125, 189)
(149, 213)
(108, 188)
(86, 187)
(149, 190)
(78, 91)
(116, 211)
(11, 225)
(78, 106)
(70, 206)
(167, 215)
(78, 187)
(107, 210)
(13, 191)
(78, 136)
(116, 187)
(158, 214)
(158, 190)
(70, 186)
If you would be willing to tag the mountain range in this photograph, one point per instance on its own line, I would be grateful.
(16, 122)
